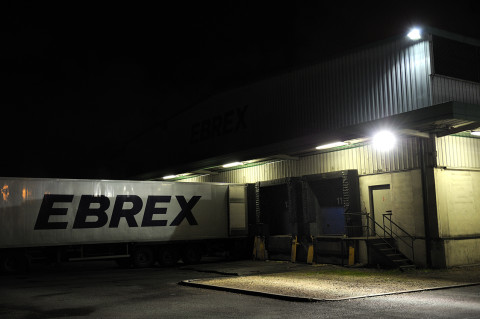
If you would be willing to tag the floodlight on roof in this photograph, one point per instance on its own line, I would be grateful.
(415, 34)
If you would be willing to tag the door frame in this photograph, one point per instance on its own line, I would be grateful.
(370, 195)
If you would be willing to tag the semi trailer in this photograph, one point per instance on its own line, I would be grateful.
(135, 223)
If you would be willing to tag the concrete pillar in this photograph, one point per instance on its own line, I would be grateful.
(434, 244)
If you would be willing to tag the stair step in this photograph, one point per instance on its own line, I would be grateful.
(404, 267)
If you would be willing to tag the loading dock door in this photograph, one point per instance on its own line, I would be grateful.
(324, 198)
(274, 204)
(380, 202)
(238, 210)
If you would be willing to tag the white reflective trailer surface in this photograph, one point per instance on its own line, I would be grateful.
(21, 202)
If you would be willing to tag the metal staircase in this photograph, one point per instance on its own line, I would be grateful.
(385, 241)
(388, 245)
(388, 250)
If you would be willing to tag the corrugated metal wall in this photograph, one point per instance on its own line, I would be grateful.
(364, 85)
(363, 158)
(458, 152)
(446, 89)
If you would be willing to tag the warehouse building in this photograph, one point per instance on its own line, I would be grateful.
(381, 140)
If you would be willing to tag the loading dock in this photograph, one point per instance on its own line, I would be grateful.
(321, 119)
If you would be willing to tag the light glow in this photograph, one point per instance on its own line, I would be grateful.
(330, 145)
(5, 192)
(415, 34)
(384, 141)
(170, 176)
(475, 133)
(232, 164)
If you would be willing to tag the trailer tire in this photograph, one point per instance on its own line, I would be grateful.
(168, 256)
(143, 257)
(15, 263)
(192, 255)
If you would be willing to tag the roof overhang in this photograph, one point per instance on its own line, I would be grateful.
(436, 120)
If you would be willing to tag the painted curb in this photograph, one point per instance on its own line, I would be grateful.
(193, 283)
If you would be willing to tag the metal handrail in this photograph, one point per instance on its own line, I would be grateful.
(391, 234)
(370, 218)
(388, 216)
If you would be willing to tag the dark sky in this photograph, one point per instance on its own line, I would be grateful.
(81, 80)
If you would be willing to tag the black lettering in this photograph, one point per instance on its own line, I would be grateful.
(186, 211)
(84, 211)
(194, 138)
(127, 213)
(217, 126)
(228, 122)
(241, 118)
(206, 130)
(47, 210)
(150, 210)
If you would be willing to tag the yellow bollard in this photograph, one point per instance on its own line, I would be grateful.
(310, 252)
(259, 248)
(293, 255)
(351, 256)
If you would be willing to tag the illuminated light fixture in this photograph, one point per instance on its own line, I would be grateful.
(384, 141)
(170, 176)
(232, 164)
(414, 34)
(475, 133)
(330, 145)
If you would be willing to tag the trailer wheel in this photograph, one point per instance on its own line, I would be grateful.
(168, 256)
(192, 255)
(143, 257)
(15, 263)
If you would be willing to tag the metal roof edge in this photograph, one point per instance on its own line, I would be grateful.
(451, 36)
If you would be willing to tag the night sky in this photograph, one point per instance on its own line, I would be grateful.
(80, 81)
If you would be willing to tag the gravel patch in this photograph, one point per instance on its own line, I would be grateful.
(335, 282)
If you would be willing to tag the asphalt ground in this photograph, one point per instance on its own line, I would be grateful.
(302, 282)
(101, 289)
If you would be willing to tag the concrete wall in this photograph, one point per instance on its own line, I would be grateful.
(458, 209)
(406, 205)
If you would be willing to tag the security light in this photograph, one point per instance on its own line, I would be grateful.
(415, 34)
(384, 141)
(475, 133)
(330, 145)
(232, 164)
(170, 176)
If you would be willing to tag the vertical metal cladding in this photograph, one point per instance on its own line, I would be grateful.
(458, 152)
(361, 86)
(446, 89)
(363, 158)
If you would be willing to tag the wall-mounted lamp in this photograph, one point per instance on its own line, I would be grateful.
(232, 164)
(384, 141)
(331, 145)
